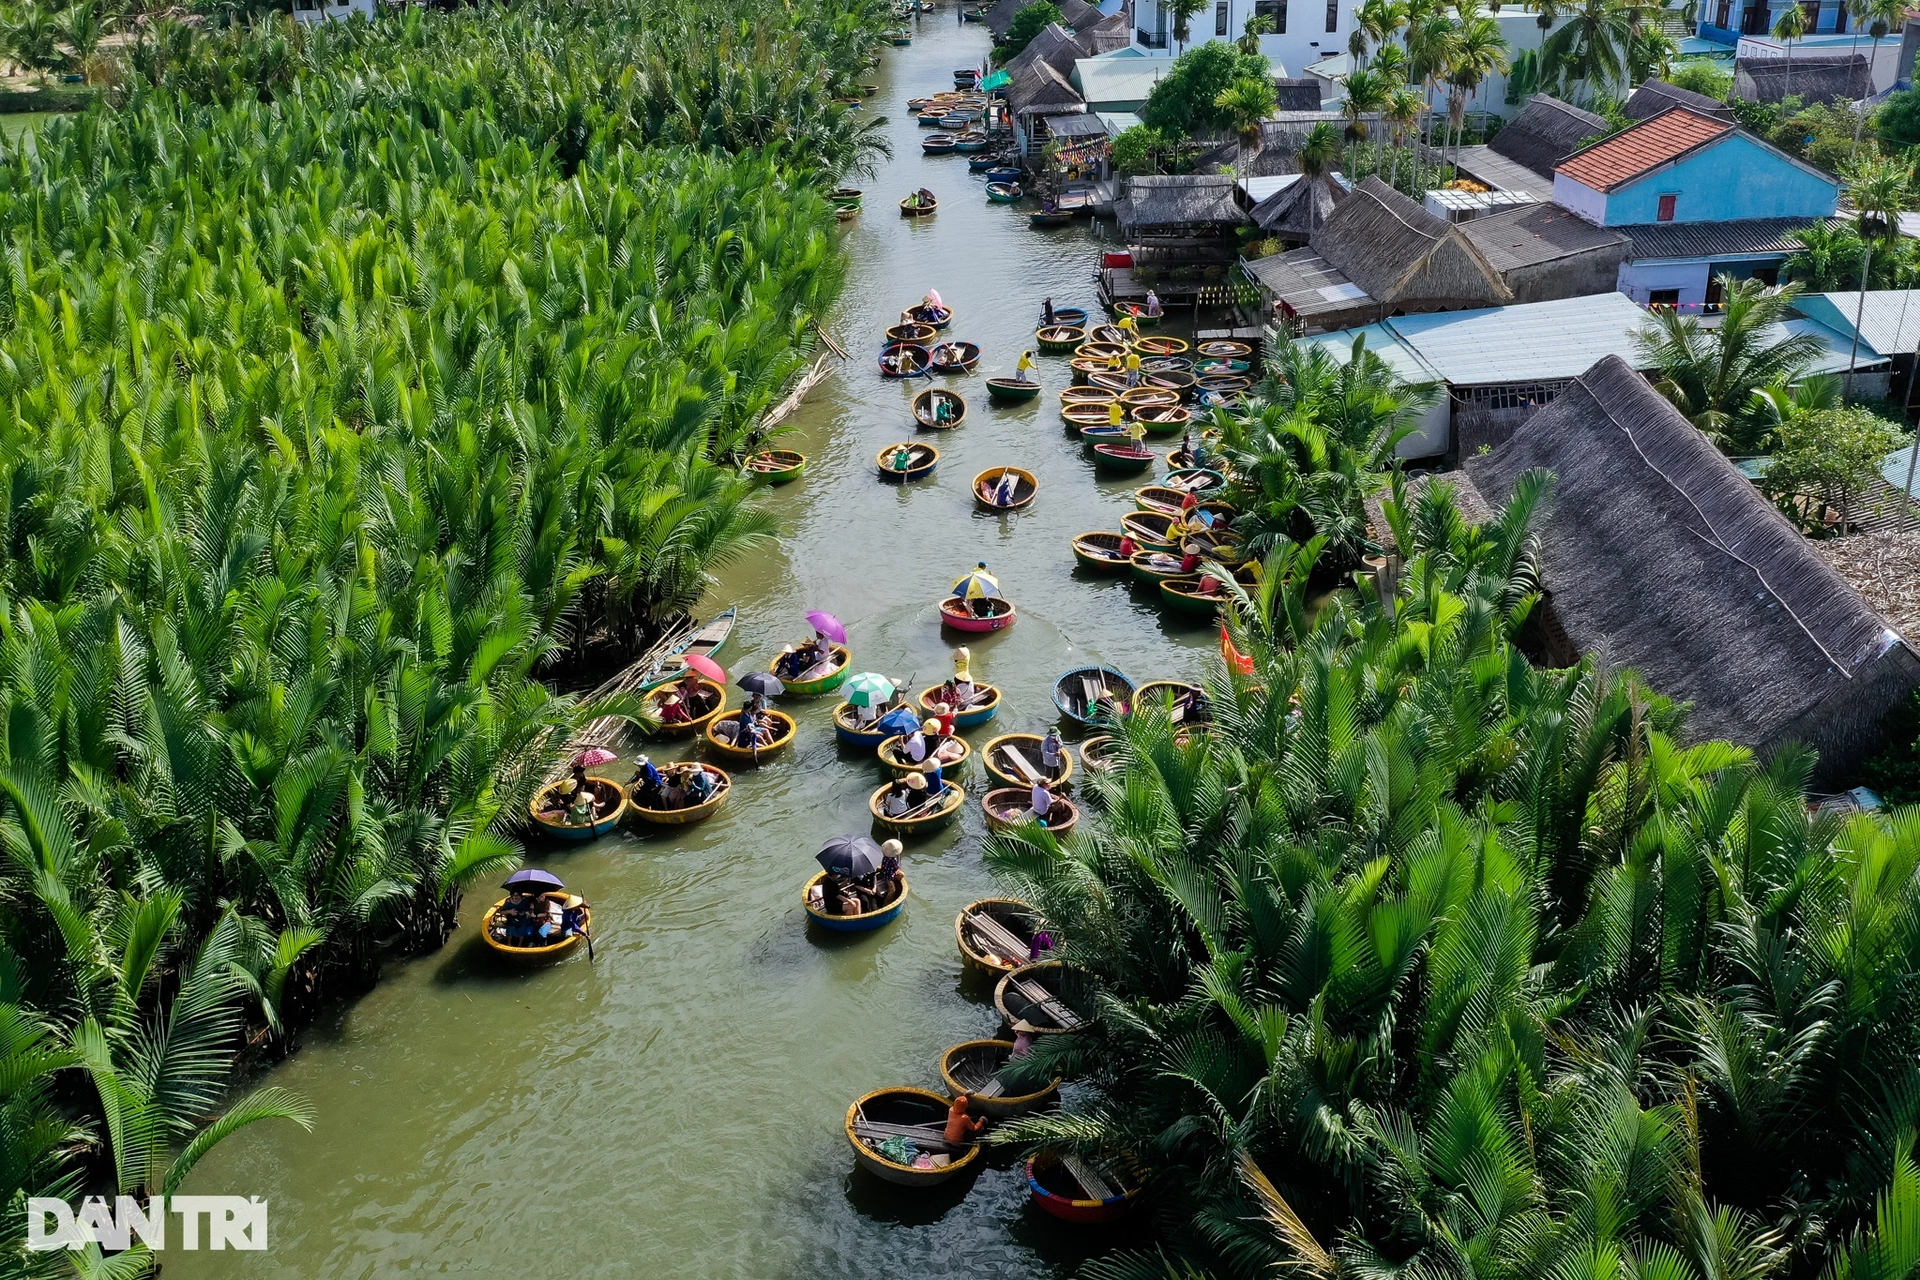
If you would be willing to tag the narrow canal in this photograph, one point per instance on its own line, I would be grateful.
(674, 1108)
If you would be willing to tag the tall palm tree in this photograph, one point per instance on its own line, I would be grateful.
(1257, 25)
(1711, 372)
(1247, 102)
(1403, 113)
(1318, 151)
(1591, 49)
(1184, 12)
(1791, 25)
(1479, 53)
(1365, 95)
(1881, 190)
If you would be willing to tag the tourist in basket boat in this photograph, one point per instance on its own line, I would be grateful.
(1040, 801)
(960, 1126)
(674, 710)
(962, 677)
(650, 783)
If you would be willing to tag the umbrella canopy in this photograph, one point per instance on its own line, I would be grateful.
(761, 682)
(869, 689)
(533, 880)
(827, 625)
(707, 667)
(850, 856)
(998, 80)
(593, 756)
(900, 720)
(976, 585)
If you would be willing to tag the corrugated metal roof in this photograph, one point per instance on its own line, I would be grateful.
(1891, 321)
(1402, 359)
(1527, 342)
(1259, 189)
(1502, 174)
(1535, 234)
(1646, 146)
(1658, 240)
(1080, 125)
(1114, 80)
(1838, 348)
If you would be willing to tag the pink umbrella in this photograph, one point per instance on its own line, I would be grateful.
(593, 756)
(707, 667)
(827, 625)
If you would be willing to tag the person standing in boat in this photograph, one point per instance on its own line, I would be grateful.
(1052, 752)
(1025, 367)
(1046, 314)
(1115, 414)
(962, 677)
(1133, 368)
(1003, 494)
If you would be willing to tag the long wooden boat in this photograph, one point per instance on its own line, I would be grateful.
(1163, 419)
(999, 616)
(973, 1067)
(850, 732)
(1059, 1185)
(1011, 389)
(705, 642)
(909, 209)
(1160, 346)
(1186, 596)
(1005, 755)
(926, 404)
(1077, 691)
(1050, 996)
(1155, 566)
(545, 951)
(985, 705)
(996, 935)
(914, 824)
(689, 814)
(819, 684)
(987, 483)
(783, 735)
(712, 696)
(903, 359)
(922, 459)
(1003, 192)
(776, 466)
(1059, 337)
(1153, 530)
(1100, 552)
(548, 809)
(1049, 218)
(955, 357)
(912, 331)
(1128, 459)
(1010, 806)
(1100, 753)
(893, 754)
(887, 1113)
(866, 921)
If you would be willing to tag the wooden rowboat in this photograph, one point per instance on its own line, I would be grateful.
(1000, 615)
(776, 466)
(893, 754)
(866, 921)
(915, 823)
(1049, 218)
(928, 404)
(1163, 419)
(1011, 389)
(712, 697)
(1160, 346)
(922, 459)
(955, 357)
(903, 359)
(548, 809)
(545, 951)
(1077, 1190)
(1003, 192)
(1100, 753)
(985, 705)
(1065, 315)
(1059, 337)
(1125, 458)
(1156, 566)
(1014, 759)
(1010, 806)
(1186, 596)
(973, 1067)
(1153, 530)
(909, 209)
(918, 1113)
(1050, 996)
(987, 483)
(705, 642)
(912, 331)
(1078, 693)
(689, 814)
(1100, 552)
(996, 935)
(784, 730)
(818, 684)
(851, 733)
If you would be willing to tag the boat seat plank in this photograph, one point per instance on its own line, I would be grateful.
(1027, 771)
(1040, 996)
(1090, 1182)
(926, 1139)
(998, 937)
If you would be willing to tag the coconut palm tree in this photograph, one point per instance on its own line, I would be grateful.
(1184, 12)
(1318, 152)
(1246, 102)
(1591, 50)
(1791, 25)
(1257, 25)
(1881, 190)
(1403, 114)
(1711, 372)
(1366, 95)
(1479, 52)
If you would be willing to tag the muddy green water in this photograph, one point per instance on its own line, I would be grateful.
(674, 1109)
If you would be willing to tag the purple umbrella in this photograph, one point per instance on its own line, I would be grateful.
(827, 625)
(534, 880)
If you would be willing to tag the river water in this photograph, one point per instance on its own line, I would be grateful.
(674, 1108)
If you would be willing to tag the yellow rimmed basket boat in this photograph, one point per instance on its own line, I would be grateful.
(1088, 395)
(1025, 488)
(784, 732)
(1162, 693)
(1104, 352)
(893, 754)
(776, 466)
(547, 809)
(918, 1114)
(915, 823)
(843, 664)
(985, 704)
(1014, 759)
(1087, 415)
(1010, 806)
(1100, 753)
(995, 935)
(1153, 530)
(1160, 346)
(865, 921)
(1059, 338)
(714, 699)
(545, 951)
(973, 1067)
(1100, 552)
(912, 331)
(1051, 997)
(690, 814)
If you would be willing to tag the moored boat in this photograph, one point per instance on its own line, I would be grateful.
(954, 357)
(996, 935)
(866, 921)
(1085, 694)
(703, 643)
(1011, 389)
(1014, 759)
(1225, 349)
(985, 705)
(921, 461)
(1112, 333)
(709, 702)
(1101, 433)
(1160, 346)
(1137, 398)
(1163, 419)
(1156, 566)
(826, 682)
(1076, 316)
(1010, 806)
(998, 614)
(1078, 1190)
(974, 1067)
(917, 821)
(1050, 996)
(1008, 173)
(970, 142)
(1123, 458)
(938, 409)
(1087, 395)
(938, 144)
(980, 164)
(1104, 352)
(1100, 552)
(1153, 530)
(903, 359)
(784, 730)
(548, 809)
(494, 930)
(987, 486)
(1003, 192)
(1140, 315)
(1086, 414)
(1162, 693)
(893, 754)
(1049, 218)
(1059, 337)
(851, 732)
(1187, 596)
(686, 815)
(776, 466)
(919, 1116)
(1195, 480)
(1100, 753)
(912, 331)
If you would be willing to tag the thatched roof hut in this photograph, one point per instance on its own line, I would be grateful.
(1655, 96)
(1296, 211)
(1001, 16)
(1522, 155)
(1041, 90)
(1178, 205)
(1115, 31)
(1543, 252)
(1296, 93)
(1079, 15)
(1658, 554)
(1811, 77)
(1054, 45)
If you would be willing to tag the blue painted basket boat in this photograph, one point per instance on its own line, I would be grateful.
(843, 729)
(973, 717)
(1069, 695)
(866, 923)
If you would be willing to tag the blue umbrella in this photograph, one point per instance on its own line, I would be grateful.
(850, 856)
(534, 880)
(900, 720)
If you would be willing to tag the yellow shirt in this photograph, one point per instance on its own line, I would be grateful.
(1133, 361)
(1114, 414)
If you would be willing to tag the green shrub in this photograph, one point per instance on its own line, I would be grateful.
(1027, 24)
(1184, 102)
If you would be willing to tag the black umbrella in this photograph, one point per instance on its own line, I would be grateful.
(534, 880)
(850, 856)
(761, 682)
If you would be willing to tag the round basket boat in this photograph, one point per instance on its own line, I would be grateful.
(1126, 459)
(1112, 333)
(915, 824)
(909, 209)
(548, 809)
(922, 461)
(1072, 316)
(1087, 395)
(893, 754)
(912, 331)
(689, 814)
(850, 732)
(926, 313)
(713, 698)
(1161, 693)
(1077, 693)
(866, 921)
(1185, 596)
(1178, 381)
(1224, 349)
(1153, 566)
(1137, 398)
(1003, 756)
(544, 951)
(1080, 414)
(1153, 530)
(1163, 419)
(1196, 479)
(879, 1113)
(1100, 753)
(1011, 389)
(1085, 367)
(985, 705)
(1010, 806)
(1114, 382)
(995, 935)
(1051, 996)
(784, 730)
(1003, 192)
(1100, 552)
(1056, 1188)
(1160, 346)
(1104, 352)
(955, 613)
(974, 1065)
(776, 466)
(938, 409)
(1170, 501)
(903, 359)
(1059, 337)
(985, 486)
(954, 357)
(843, 664)
(1141, 316)
(1103, 434)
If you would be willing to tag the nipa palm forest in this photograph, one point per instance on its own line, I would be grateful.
(345, 375)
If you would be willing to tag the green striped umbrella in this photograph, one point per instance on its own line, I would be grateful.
(869, 689)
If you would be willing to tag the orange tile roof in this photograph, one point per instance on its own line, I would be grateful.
(1647, 145)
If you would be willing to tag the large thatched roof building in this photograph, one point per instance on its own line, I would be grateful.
(1655, 96)
(1522, 155)
(1298, 209)
(1543, 252)
(1658, 554)
(1811, 77)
